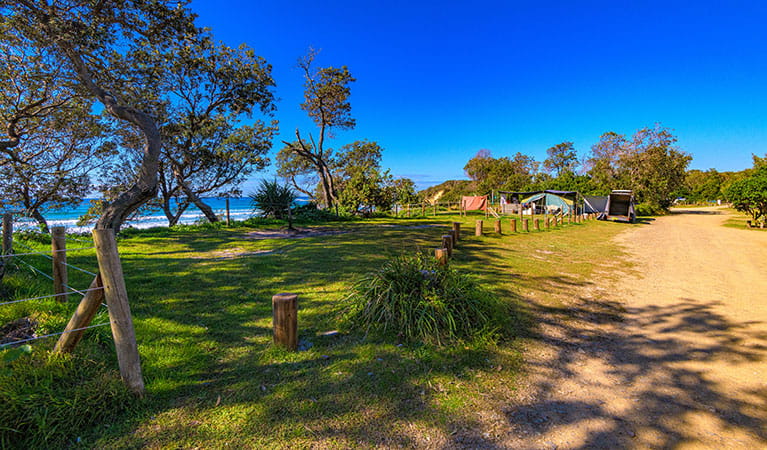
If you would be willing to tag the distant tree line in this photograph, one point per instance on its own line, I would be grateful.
(648, 162)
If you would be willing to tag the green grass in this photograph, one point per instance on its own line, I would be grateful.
(738, 220)
(213, 377)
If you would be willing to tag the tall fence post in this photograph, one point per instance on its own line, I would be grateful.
(116, 296)
(285, 320)
(7, 235)
(59, 251)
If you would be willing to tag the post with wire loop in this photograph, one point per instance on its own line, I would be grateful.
(116, 296)
(59, 251)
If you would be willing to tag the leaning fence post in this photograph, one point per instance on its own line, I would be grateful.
(82, 317)
(447, 242)
(116, 296)
(59, 251)
(285, 320)
(7, 235)
(478, 228)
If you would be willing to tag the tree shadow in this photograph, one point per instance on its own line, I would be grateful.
(656, 357)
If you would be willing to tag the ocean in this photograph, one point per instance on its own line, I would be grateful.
(239, 209)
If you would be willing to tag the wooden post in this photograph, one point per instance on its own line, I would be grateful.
(547, 223)
(116, 296)
(537, 224)
(228, 217)
(82, 317)
(454, 238)
(478, 228)
(7, 235)
(447, 242)
(498, 226)
(59, 252)
(441, 255)
(423, 209)
(457, 229)
(285, 320)
(513, 225)
(525, 225)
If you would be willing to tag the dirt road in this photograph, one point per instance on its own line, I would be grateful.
(685, 367)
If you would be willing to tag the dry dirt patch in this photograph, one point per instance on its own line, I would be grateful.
(673, 356)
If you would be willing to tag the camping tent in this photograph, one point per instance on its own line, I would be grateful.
(595, 204)
(548, 202)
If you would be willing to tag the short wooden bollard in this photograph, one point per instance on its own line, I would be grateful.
(441, 255)
(547, 223)
(59, 251)
(498, 226)
(285, 320)
(447, 242)
(537, 224)
(478, 228)
(454, 236)
(7, 234)
(525, 225)
(513, 225)
(457, 229)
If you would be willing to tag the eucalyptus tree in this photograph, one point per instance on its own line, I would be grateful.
(326, 101)
(211, 89)
(107, 47)
(52, 142)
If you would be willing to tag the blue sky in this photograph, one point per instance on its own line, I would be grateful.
(437, 81)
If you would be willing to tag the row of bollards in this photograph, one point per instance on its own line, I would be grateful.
(285, 306)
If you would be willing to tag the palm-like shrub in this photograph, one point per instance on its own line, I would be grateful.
(415, 299)
(272, 199)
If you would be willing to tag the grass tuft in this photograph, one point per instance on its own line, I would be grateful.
(415, 299)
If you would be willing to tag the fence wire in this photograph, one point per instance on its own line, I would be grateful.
(52, 334)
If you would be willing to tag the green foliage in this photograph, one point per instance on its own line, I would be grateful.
(362, 185)
(749, 195)
(272, 199)
(414, 298)
(509, 174)
(561, 157)
(647, 209)
(49, 398)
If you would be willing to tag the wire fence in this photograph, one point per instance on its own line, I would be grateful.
(31, 251)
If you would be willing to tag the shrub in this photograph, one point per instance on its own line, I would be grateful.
(646, 209)
(414, 298)
(272, 199)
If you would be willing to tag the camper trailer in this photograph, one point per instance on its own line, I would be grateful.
(620, 206)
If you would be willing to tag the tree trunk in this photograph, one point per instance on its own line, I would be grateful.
(35, 213)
